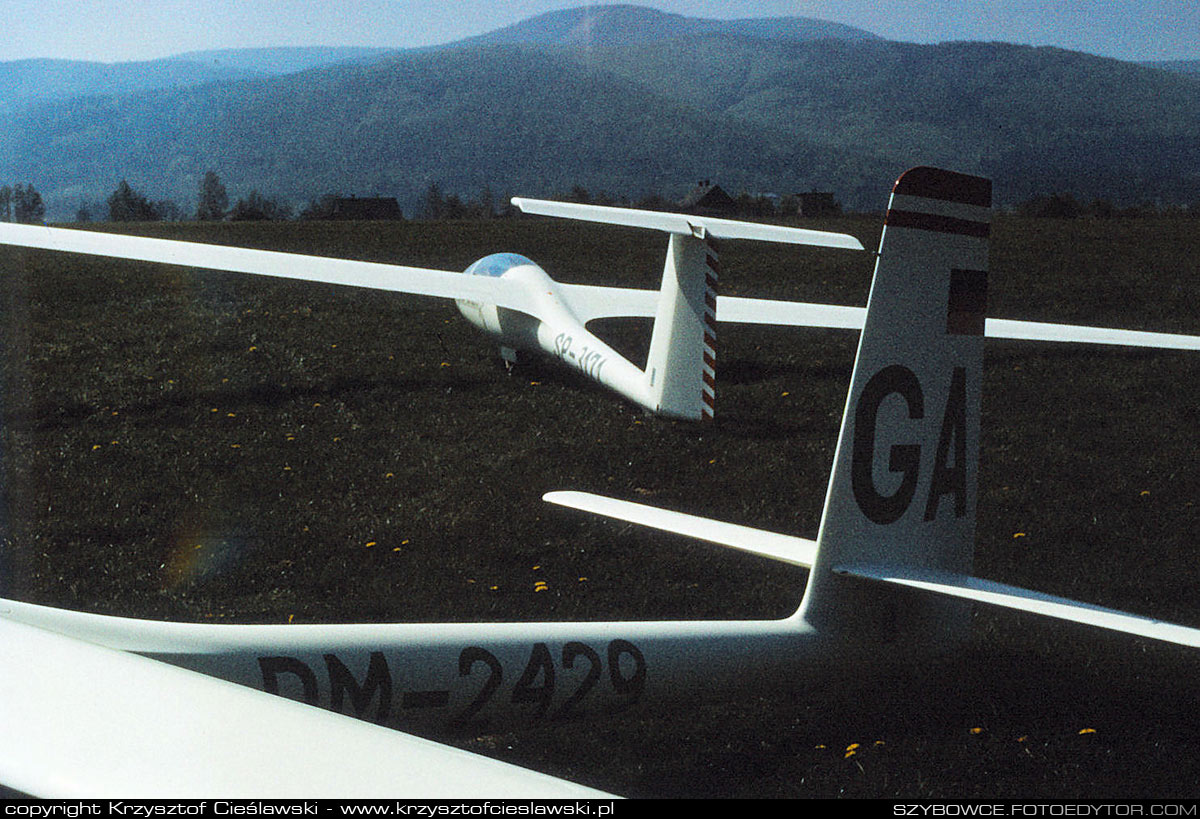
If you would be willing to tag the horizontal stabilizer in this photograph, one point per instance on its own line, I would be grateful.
(1014, 597)
(784, 548)
(688, 224)
(81, 720)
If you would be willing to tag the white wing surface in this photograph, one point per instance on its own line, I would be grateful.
(797, 551)
(800, 314)
(588, 302)
(591, 302)
(417, 280)
(82, 721)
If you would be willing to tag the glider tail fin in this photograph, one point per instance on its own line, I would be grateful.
(902, 492)
(680, 367)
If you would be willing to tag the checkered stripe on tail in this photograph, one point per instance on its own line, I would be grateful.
(711, 275)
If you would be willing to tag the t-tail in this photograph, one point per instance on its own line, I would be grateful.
(679, 379)
(902, 493)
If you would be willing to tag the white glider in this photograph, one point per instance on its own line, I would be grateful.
(515, 301)
(891, 573)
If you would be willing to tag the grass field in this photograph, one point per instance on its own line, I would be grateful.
(286, 427)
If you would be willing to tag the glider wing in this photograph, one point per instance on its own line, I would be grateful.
(81, 720)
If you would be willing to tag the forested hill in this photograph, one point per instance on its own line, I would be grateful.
(756, 107)
(620, 25)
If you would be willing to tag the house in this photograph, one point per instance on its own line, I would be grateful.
(708, 199)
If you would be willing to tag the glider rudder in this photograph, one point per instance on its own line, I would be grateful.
(680, 367)
(903, 488)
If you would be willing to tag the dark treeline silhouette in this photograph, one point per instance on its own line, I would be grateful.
(1066, 206)
(23, 203)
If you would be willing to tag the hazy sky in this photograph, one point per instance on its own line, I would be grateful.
(116, 30)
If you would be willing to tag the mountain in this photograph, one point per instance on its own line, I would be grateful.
(24, 82)
(1035, 119)
(621, 25)
(641, 102)
(465, 118)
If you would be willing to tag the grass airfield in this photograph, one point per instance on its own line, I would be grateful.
(214, 447)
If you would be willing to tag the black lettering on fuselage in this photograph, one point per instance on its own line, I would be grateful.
(539, 683)
(378, 680)
(272, 667)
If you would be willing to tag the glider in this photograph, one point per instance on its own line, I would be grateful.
(891, 568)
(513, 300)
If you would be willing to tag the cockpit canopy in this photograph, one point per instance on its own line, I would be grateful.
(498, 264)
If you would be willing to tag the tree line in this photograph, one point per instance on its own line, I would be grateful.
(23, 203)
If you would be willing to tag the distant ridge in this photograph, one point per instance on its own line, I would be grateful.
(24, 82)
(1181, 66)
(282, 60)
(623, 25)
